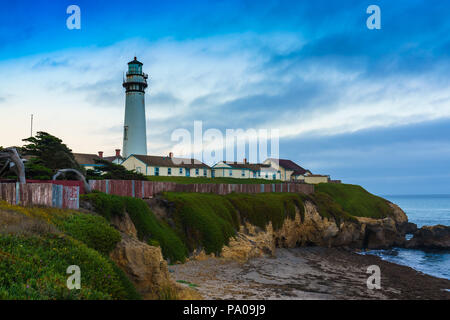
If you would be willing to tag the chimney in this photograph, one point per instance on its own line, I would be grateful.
(117, 153)
(100, 154)
(170, 155)
(245, 160)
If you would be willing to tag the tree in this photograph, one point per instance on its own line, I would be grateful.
(35, 170)
(50, 151)
(11, 161)
(110, 170)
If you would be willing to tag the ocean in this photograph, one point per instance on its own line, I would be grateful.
(421, 210)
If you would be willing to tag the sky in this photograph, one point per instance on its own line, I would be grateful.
(369, 107)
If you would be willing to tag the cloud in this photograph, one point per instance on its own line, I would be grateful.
(228, 83)
(318, 75)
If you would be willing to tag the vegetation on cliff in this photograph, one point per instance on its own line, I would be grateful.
(355, 200)
(208, 221)
(149, 228)
(38, 244)
(203, 220)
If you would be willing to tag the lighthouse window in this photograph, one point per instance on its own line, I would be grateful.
(169, 171)
(125, 133)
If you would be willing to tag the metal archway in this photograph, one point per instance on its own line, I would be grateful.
(79, 175)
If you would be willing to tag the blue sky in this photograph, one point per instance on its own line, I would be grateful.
(370, 107)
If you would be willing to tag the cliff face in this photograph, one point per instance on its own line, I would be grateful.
(316, 230)
(283, 222)
(144, 265)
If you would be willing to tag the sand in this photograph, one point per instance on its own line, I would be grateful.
(307, 273)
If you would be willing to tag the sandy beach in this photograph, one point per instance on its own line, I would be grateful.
(307, 273)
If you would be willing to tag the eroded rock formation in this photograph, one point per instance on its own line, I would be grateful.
(144, 265)
(316, 230)
(431, 237)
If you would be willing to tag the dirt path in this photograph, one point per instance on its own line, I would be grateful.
(308, 273)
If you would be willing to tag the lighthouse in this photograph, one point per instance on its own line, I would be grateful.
(134, 129)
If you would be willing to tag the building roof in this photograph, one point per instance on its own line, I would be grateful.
(318, 175)
(112, 158)
(135, 61)
(250, 166)
(292, 166)
(86, 158)
(170, 162)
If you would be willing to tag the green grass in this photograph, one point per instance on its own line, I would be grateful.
(260, 209)
(328, 208)
(38, 244)
(208, 221)
(94, 231)
(105, 204)
(35, 268)
(355, 200)
(190, 180)
(203, 220)
(189, 284)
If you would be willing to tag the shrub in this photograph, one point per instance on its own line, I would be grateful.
(19, 224)
(35, 268)
(105, 204)
(94, 231)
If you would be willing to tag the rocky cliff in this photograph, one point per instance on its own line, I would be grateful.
(144, 265)
(312, 229)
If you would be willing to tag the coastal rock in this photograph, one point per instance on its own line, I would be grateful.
(124, 224)
(407, 228)
(315, 230)
(380, 233)
(399, 215)
(249, 243)
(143, 264)
(431, 237)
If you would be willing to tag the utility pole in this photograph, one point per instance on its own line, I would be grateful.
(31, 125)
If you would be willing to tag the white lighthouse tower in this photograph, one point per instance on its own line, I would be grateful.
(134, 130)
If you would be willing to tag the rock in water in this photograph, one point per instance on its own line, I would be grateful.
(431, 237)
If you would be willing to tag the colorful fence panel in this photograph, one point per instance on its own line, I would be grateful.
(41, 194)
